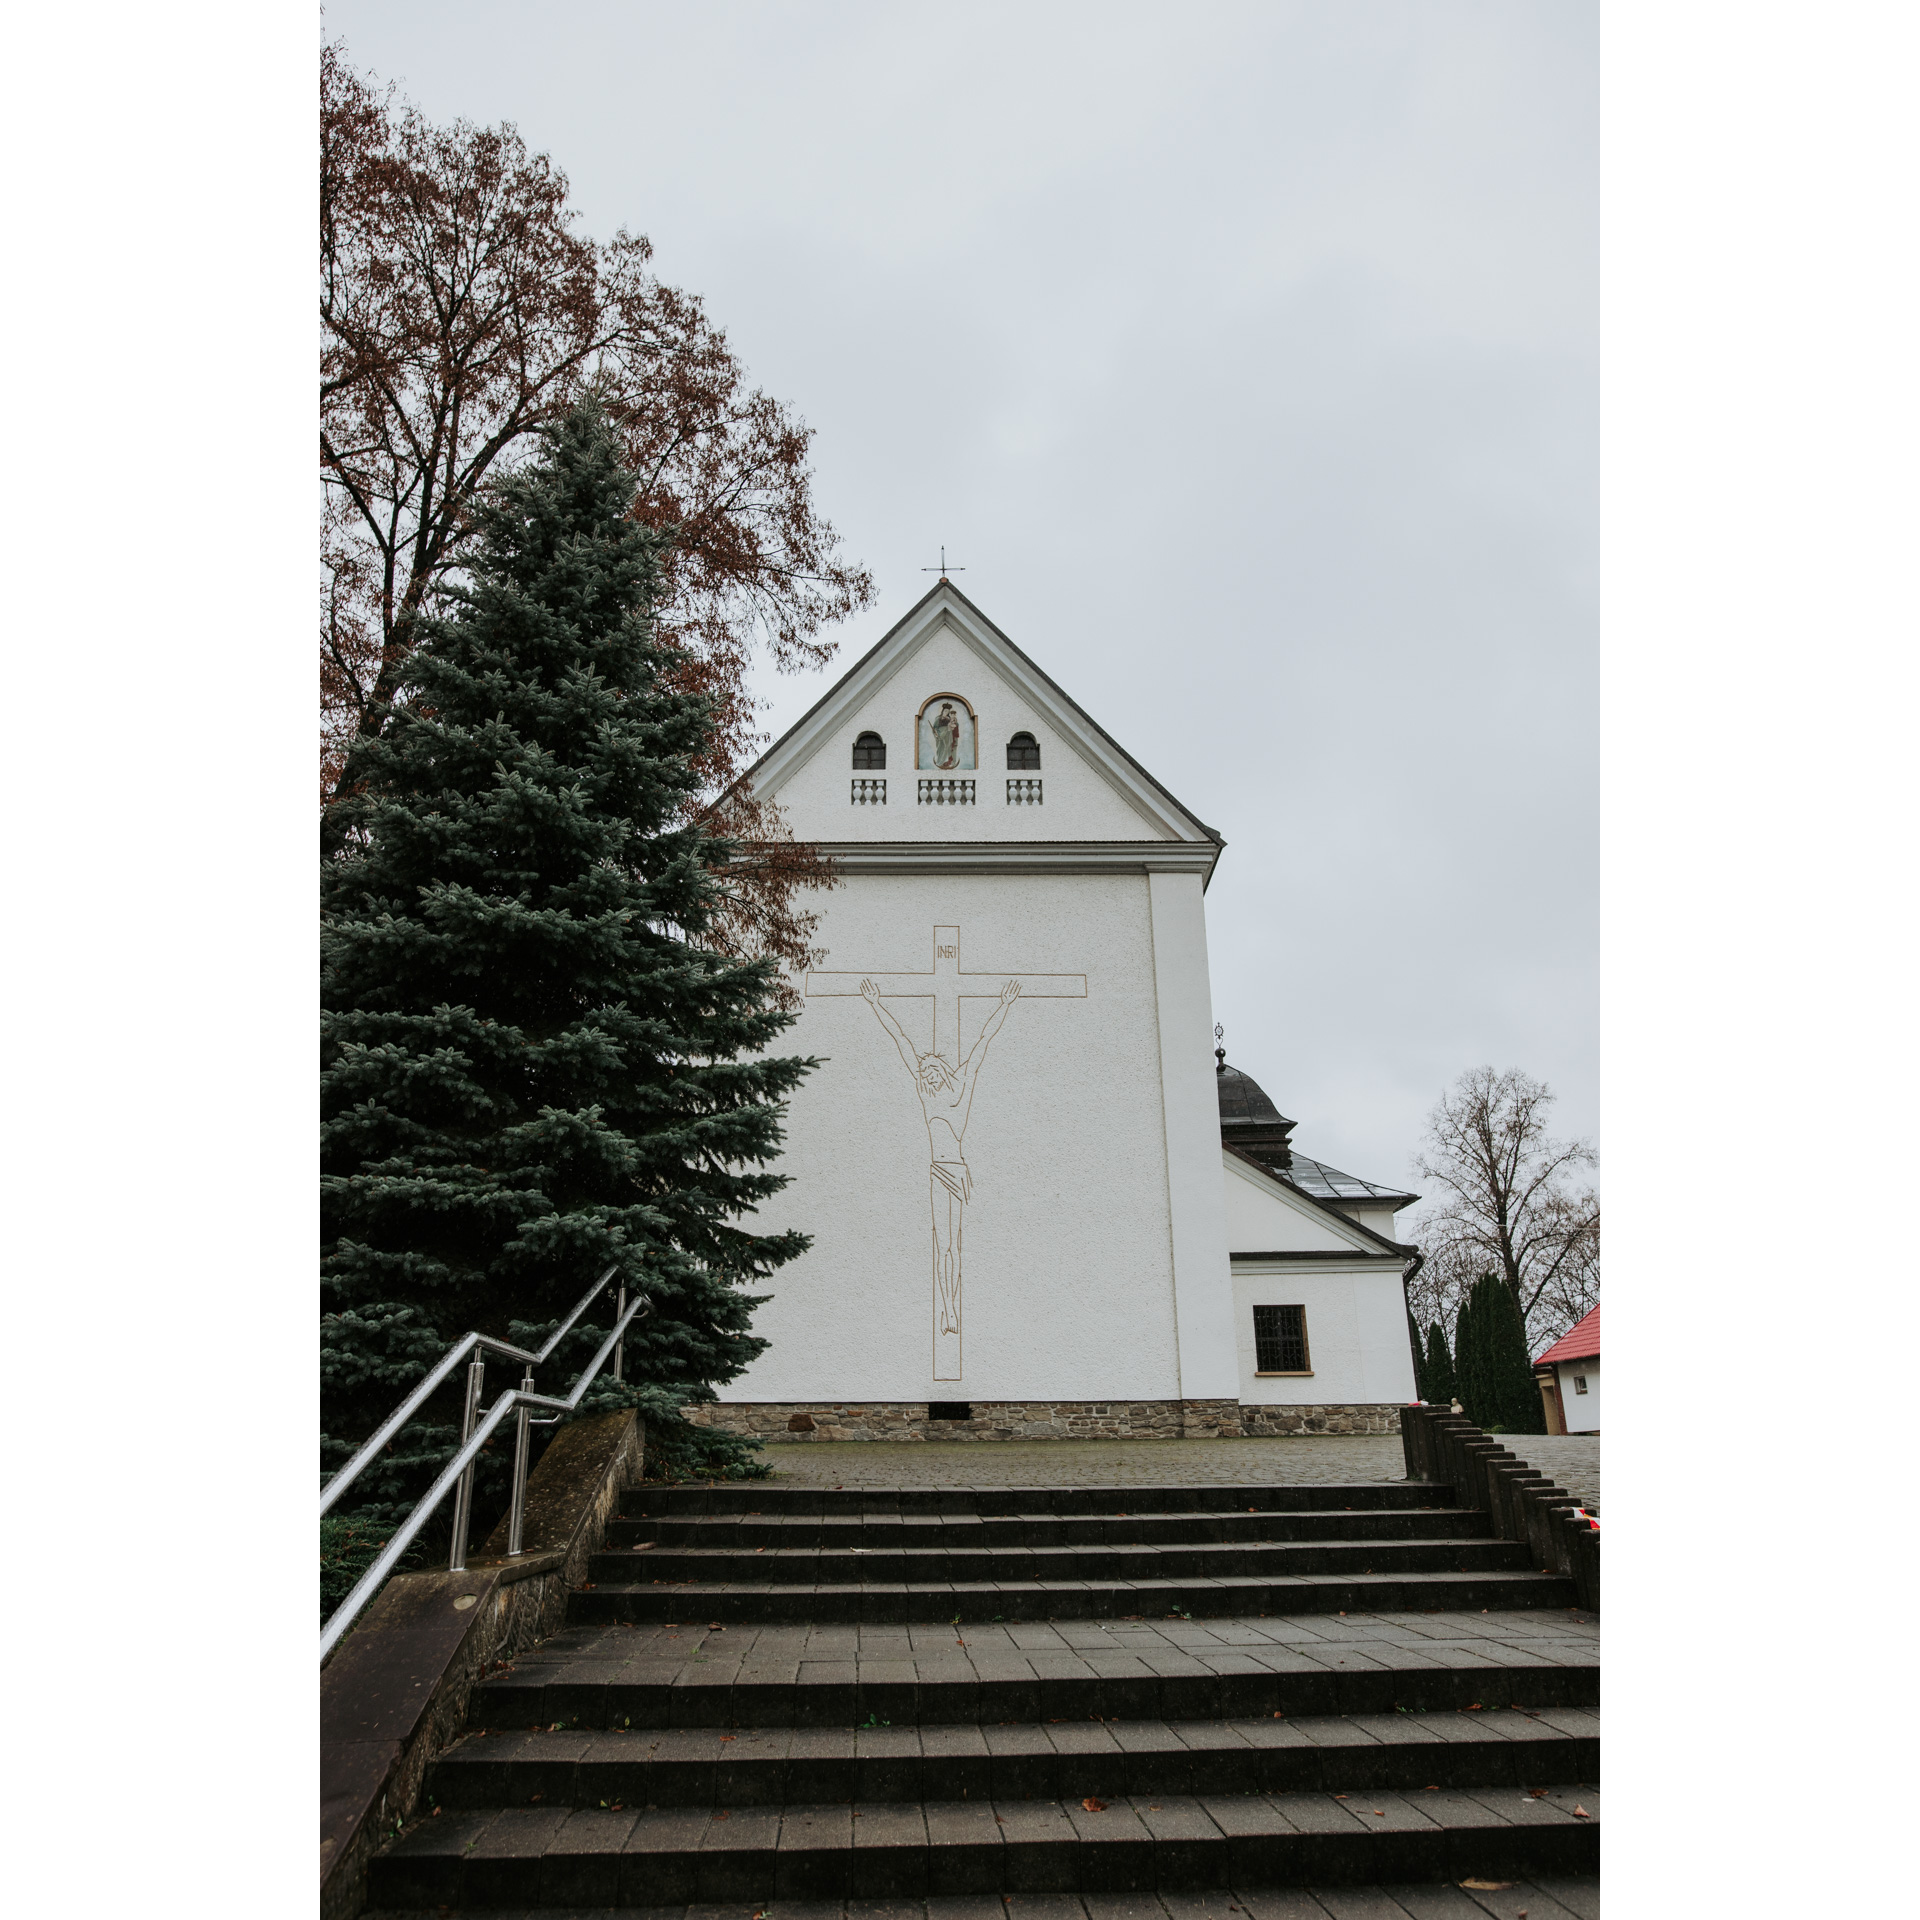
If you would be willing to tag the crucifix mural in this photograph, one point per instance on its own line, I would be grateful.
(945, 1083)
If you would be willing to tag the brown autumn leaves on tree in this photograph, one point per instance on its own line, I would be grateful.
(1511, 1202)
(460, 313)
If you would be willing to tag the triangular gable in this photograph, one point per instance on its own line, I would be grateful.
(1291, 1221)
(947, 609)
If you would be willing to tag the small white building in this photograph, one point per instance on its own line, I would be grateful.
(1568, 1374)
(1030, 1208)
(1320, 1306)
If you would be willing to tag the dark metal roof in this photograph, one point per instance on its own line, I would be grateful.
(1243, 1101)
(1329, 1183)
(1252, 1124)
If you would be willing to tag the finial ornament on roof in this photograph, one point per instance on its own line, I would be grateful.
(942, 568)
(1219, 1051)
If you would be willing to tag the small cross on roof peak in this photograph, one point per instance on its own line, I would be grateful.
(942, 568)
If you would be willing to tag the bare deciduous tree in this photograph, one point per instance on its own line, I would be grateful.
(1511, 1202)
(460, 313)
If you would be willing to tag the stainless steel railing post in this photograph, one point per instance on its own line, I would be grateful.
(516, 1521)
(463, 1497)
(620, 1351)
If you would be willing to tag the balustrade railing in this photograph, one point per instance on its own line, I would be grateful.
(946, 793)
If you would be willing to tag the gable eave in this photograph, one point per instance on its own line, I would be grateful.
(1135, 784)
(1283, 1189)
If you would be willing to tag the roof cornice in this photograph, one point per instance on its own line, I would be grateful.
(1022, 856)
(1362, 1255)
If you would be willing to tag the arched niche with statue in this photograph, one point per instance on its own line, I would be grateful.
(946, 735)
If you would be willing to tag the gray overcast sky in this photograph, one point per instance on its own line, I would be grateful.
(1246, 356)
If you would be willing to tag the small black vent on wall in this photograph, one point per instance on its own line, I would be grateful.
(950, 1410)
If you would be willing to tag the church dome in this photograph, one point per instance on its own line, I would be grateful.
(1248, 1119)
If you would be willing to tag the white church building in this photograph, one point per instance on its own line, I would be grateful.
(1041, 1203)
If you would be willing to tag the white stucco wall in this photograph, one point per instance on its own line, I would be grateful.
(1079, 803)
(1582, 1409)
(1191, 1105)
(1356, 1334)
(1068, 1285)
(1261, 1217)
(1377, 1219)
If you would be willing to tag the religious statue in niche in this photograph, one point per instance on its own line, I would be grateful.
(946, 730)
(945, 1082)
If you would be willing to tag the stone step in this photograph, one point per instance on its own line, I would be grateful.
(559, 1856)
(1545, 1896)
(775, 1766)
(745, 1532)
(605, 1693)
(1087, 1598)
(951, 1566)
(753, 1497)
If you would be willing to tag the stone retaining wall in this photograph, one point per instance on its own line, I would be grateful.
(907, 1420)
(394, 1694)
(1442, 1445)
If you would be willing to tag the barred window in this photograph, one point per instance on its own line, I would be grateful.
(869, 754)
(1280, 1340)
(1023, 754)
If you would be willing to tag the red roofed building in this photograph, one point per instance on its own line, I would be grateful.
(1569, 1377)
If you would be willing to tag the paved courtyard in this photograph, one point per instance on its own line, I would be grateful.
(1573, 1460)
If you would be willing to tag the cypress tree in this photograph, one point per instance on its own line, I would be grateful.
(1494, 1370)
(1510, 1367)
(1440, 1385)
(533, 1068)
(1419, 1359)
(1467, 1371)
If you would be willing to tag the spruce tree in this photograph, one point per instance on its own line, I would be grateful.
(1440, 1382)
(533, 1068)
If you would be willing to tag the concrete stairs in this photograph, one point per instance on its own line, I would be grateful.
(919, 1695)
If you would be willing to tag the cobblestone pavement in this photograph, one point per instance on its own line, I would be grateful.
(1305, 1459)
(1056, 1649)
(1546, 1897)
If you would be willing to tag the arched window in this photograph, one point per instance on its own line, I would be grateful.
(1023, 754)
(869, 754)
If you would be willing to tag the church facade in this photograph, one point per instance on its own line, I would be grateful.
(1040, 1203)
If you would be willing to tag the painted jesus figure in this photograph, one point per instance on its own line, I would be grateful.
(946, 1097)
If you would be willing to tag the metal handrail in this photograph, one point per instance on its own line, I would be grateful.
(459, 1468)
(424, 1391)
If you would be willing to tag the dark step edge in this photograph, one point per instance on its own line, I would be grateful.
(527, 1699)
(469, 1779)
(471, 1861)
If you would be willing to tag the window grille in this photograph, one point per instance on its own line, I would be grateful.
(869, 793)
(1023, 793)
(1023, 754)
(1280, 1340)
(869, 754)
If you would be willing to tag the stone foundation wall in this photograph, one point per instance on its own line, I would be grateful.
(906, 1420)
(1268, 1422)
